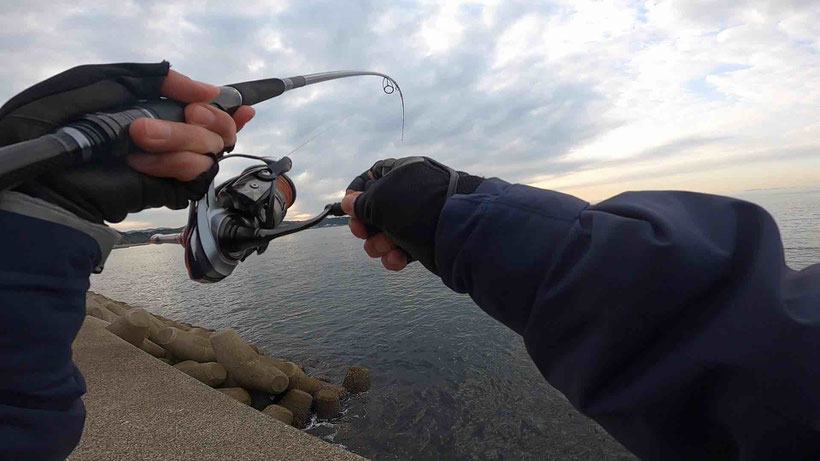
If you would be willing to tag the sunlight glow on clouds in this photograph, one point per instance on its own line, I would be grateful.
(132, 224)
(588, 97)
(442, 31)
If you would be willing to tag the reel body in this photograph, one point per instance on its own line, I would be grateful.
(239, 217)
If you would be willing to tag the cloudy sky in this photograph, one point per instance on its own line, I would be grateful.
(590, 98)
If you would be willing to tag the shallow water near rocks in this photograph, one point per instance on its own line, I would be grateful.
(448, 382)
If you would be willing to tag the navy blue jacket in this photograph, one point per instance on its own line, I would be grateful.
(44, 272)
(668, 317)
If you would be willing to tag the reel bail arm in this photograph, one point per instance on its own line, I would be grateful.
(235, 237)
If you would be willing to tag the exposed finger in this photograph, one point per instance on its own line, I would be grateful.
(395, 260)
(184, 166)
(382, 243)
(243, 115)
(213, 119)
(357, 228)
(348, 201)
(374, 246)
(182, 88)
(164, 136)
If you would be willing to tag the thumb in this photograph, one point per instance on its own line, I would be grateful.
(360, 207)
(366, 209)
(348, 202)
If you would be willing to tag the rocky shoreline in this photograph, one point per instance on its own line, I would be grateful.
(224, 361)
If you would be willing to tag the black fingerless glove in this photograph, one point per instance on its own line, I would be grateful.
(104, 191)
(404, 197)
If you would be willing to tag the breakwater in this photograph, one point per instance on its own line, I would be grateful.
(223, 360)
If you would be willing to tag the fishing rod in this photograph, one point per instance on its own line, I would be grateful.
(233, 220)
(97, 136)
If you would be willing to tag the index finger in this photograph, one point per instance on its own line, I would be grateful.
(183, 89)
(359, 183)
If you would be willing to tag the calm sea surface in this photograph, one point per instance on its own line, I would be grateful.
(448, 382)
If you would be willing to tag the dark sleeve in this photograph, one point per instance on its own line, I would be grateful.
(44, 273)
(668, 317)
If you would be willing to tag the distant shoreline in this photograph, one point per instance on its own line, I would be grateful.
(141, 237)
(129, 245)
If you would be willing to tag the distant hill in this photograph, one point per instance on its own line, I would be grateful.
(142, 235)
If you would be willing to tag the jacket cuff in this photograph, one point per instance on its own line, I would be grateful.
(25, 205)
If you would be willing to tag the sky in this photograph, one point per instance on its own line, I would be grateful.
(591, 98)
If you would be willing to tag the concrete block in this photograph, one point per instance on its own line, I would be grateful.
(326, 404)
(186, 346)
(200, 332)
(299, 403)
(237, 393)
(307, 384)
(94, 322)
(340, 391)
(132, 326)
(279, 413)
(246, 367)
(211, 373)
(113, 306)
(357, 379)
(94, 309)
(152, 348)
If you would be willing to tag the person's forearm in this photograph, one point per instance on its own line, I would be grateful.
(43, 280)
(498, 243)
(669, 317)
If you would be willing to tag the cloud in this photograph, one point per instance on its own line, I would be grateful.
(559, 94)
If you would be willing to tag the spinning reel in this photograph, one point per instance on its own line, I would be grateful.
(239, 217)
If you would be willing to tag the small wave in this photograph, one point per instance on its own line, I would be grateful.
(314, 423)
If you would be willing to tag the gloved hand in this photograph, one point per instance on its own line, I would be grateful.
(395, 206)
(170, 171)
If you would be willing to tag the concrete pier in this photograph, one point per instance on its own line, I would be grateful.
(140, 408)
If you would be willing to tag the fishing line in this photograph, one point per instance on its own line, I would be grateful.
(323, 131)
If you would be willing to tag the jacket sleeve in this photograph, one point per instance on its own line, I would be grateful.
(47, 256)
(668, 317)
